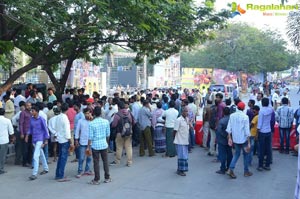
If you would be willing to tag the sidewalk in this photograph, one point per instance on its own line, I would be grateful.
(154, 177)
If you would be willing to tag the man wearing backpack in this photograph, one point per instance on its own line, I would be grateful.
(123, 122)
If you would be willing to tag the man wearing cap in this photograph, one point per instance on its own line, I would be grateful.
(90, 104)
(239, 134)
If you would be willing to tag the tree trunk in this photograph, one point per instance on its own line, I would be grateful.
(3, 24)
(55, 82)
(60, 85)
(7, 85)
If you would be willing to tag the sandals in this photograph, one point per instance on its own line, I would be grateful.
(63, 180)
(44, 172)
(88, 173)
(107, 180)
(93, 182)
(33, 177)
(181, 173)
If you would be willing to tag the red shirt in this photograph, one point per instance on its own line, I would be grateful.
(71, 113)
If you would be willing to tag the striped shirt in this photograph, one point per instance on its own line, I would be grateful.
(238, 127)
(99, 130)
(285, 116)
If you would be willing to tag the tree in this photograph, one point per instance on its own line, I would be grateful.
(243, 48)
(52, 31)
(293, 28)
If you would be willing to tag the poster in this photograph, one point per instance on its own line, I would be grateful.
(221, 76)
(167, 72)
(196, 78)
(83, 74)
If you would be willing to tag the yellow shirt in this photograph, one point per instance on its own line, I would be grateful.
(253, 130)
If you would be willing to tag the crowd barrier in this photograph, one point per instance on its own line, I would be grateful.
(275, 137)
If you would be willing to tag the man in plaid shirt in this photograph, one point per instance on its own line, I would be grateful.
(98, 140)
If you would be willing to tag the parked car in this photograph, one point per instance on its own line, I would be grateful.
(226, 89)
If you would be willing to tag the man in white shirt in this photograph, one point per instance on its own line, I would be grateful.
(276, 99)
(6, 129)
(259, 97)
(18, 99)
(182, 141)
(192, 118)
(239, 134)
(63, 130)
(52, 130)
(171, 115)
(18, 144)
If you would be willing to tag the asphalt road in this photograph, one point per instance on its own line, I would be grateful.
(154, 177)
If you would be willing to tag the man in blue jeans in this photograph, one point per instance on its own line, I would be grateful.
(264, 135)
(285, 118)
(63, 130)
(40, 135)
(224, 150)
(239, 133)
(81, 142)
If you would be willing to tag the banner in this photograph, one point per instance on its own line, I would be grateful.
(196, 78)
(83, 75)
(221, 76)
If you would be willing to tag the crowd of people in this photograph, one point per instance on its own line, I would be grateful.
(156, 121)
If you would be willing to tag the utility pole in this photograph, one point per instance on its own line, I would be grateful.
(145, 73)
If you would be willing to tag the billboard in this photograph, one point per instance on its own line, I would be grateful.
(83, 74)
(167, 72)
(221, 76)
(196, 78)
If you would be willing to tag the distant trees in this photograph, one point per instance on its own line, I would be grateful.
(241, 47)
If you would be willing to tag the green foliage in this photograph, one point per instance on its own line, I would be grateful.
(243, 48)
(153, 28)
(52, 31)
(6, 61)
(293, 28)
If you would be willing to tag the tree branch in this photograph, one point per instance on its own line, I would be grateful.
(53, 79)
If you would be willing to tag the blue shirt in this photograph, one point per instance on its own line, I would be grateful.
(78, 116)
(144, 118)
(99, 130)
(264, 119)
(82, 131)
(285, 116)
